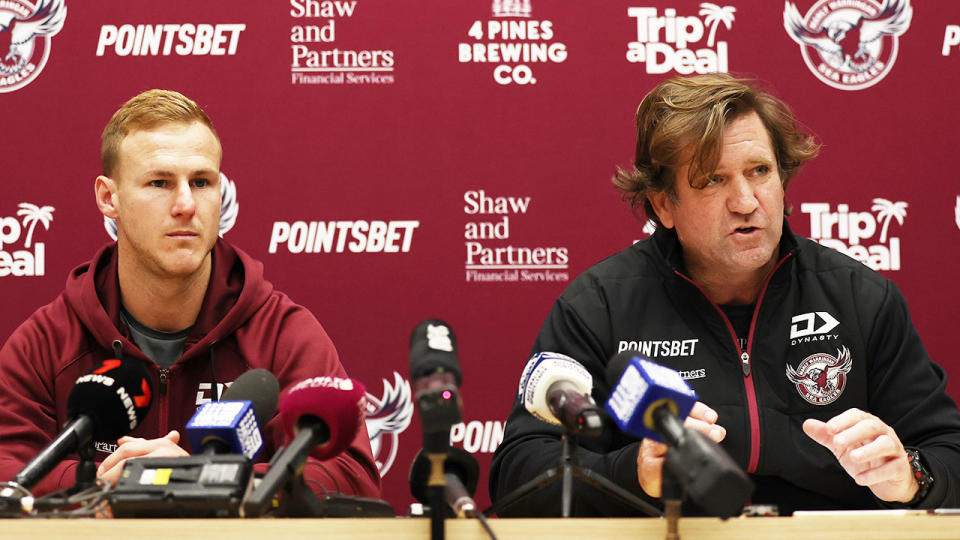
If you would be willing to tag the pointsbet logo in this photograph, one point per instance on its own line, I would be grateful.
(850, 231)
(665, 42)
(186, 39)
(476, 436)
(30, 259)
(359, 236)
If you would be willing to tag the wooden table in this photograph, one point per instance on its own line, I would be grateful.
(875, 525)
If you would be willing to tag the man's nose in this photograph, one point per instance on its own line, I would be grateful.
(184, 202)
(742, 199)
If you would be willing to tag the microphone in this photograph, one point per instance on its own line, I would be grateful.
(556, 389)
(325, 412)
(461, 473)
(647, 399)
(233, 425)
(436, 376)
(650, 400)
(103, 405)
(321, 415)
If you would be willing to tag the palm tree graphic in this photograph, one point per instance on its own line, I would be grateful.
(33, 214)
(714, 15)
(885, 210)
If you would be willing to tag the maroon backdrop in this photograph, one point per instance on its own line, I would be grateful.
(469, 145)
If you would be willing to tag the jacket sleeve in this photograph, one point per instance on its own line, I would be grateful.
(908, 392)
(530, 446)
(304, 350)
(28, 408)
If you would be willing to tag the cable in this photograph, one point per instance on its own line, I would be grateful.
(86, 503)
(483, 522)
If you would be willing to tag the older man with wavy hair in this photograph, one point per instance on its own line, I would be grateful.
(856, 418)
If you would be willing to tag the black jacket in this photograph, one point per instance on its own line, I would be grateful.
(820, 308)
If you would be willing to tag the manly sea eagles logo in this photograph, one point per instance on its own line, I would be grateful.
(25, 32)
(849, 44)
(821, 378)
(956, 212)
(387, 417)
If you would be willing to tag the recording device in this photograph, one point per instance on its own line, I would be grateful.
(556, 389)
(436, 376)
(321, 416)
(103, 405)
(461, 473)
(650, 400)
(214, 482)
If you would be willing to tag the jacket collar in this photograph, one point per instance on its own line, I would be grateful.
(667, 244)
(236, 290)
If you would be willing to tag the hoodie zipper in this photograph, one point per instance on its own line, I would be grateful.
(753, 411)
(160, 403)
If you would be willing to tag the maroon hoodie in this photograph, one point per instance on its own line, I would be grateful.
(243, 324)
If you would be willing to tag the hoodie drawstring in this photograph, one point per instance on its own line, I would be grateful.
(214, 389)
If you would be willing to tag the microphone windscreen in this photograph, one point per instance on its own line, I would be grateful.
(337, 402)
(259, 387)
(458, 462)
(543, 370)
(116, 395)
(638, 388)
(433, 349)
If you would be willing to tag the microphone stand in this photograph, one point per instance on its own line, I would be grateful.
(86, 474)
(439, 404)
(436, 482)
(566, 470)
(672, 493)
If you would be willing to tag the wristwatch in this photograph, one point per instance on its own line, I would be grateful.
(920, 473)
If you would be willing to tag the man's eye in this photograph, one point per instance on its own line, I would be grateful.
(762, 169)
(713, 180)
(158, 183)
(201, 182)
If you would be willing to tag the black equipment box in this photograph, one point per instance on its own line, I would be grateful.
(191, 486)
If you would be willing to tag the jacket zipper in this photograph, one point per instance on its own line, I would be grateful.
(753, 411)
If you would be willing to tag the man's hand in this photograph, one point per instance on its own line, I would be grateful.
(869, 451)
(131, 447)
(650, 458)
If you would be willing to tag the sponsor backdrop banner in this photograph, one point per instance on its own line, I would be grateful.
(396, 161)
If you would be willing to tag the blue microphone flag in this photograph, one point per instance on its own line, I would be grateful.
(642, 388)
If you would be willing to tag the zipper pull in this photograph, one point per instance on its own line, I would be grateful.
(744, 363)
(163, 381)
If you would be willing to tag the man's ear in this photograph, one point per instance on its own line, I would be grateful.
(663, 206)
(105, 190)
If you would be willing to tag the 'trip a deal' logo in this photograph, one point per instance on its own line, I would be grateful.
(25, 35)
(849, 44)
(30, 260)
